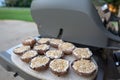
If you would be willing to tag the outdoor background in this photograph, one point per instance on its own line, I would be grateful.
(20, 9)
(15, 10)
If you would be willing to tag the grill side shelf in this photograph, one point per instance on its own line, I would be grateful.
(6, 62)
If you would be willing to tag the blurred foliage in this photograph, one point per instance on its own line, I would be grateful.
(18, 3)
(98, 2)
(109, 1)
(101, 2)
(115, 2)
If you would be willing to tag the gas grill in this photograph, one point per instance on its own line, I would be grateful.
(75, 21)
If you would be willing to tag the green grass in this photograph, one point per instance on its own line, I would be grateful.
(15, 14)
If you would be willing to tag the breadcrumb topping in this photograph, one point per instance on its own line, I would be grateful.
(39, 61)
(59, 65)
(84, 66)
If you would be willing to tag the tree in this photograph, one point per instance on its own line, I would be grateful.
(10, 3)
(18, 3)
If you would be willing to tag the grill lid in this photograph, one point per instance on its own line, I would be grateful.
(72, 20)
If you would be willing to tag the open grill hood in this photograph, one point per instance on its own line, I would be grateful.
(77, 19)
